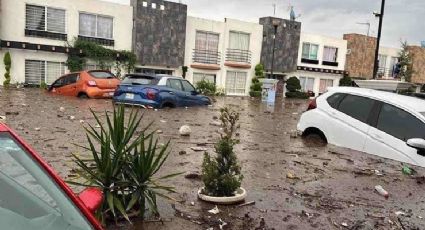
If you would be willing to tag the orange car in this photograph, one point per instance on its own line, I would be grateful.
(86, 84)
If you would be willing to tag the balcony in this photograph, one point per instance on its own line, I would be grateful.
(206, 59)
(238, 58)
(385, 73)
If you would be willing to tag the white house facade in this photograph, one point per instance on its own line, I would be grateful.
(223, 52)
(321, 62)
(36, 33)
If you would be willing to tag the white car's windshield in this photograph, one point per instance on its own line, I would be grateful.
(29, 199)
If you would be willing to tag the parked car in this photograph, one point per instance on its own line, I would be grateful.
(158, 91)
(33, 196)
(376, 122)
(86, 84)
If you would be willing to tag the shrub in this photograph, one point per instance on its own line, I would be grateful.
(259, 70)
(205, 87)
(43, 85)
(220, 91)
(123, 166)
(256, 88)
(255, 93)
(7, 60)
(299, 95)
(345, 81)
(222, 175)
(293, 84)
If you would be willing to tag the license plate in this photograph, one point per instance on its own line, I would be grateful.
(129, 96)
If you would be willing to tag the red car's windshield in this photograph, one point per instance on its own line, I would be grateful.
(29, 198)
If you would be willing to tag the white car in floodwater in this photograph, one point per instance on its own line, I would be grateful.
(385, 124)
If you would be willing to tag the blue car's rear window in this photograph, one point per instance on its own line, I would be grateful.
(139, 80)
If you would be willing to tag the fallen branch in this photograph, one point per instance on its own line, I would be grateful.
(246, 204)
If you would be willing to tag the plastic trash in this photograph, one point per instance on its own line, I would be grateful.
(214, 211)
(407, 170)
(382, 191)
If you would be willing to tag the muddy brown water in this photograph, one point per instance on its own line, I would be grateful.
(329, 187)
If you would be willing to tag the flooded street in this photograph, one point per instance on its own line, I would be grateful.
(295, 183)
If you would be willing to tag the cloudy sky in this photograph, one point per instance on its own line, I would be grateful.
(403, 18)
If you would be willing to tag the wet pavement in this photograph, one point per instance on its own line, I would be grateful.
(295, 183)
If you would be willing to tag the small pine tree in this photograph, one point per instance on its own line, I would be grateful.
(405, 62)
(293, 84)
(222, 175)
(256, 85)
(259, 70)
(7, 60)
(346, 81)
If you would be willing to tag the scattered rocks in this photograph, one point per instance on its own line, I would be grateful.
(193, 176)
(198, 149)
(185, 130)
(71, 118)
(82, 121)
(37, 129)
(62, 109)
(215, 123)
(182, 152)
(214, 211)
(2, 118)
(159, 131)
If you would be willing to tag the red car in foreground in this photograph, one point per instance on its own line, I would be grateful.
(33, 196)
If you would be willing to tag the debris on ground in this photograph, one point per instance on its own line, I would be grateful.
(382, 191)
(215, 123)
(71, 118)
(2, 118)
(193, 175)
(163, 121)
(290, 175)
(62, 109)
(182, 152)
(247, 203)
(159, 131)
(214, 211)
(198, 149)
(185, 130)
(82, 121)
(222, 224)
(407, 170)
(37, 129)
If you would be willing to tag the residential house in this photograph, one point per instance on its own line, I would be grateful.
(36, 33)
(159, 36)
(321, 62)
(223, 52)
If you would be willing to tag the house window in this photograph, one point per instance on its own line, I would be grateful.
(197, 77)
(325, 84)
(239, 40)
(44, 21)
(382, 61)
(310, 51)
(206, 47)
(236, 83)
(145, 4)
(330, 54)
(307, 84)
(37, 72)
(162, 7)
(153, 5)
(97, 26)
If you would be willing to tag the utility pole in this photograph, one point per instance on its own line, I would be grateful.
(275, 25)
(378, 41)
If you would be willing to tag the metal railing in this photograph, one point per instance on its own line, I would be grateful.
(206, 56)
(237, 55)
(386, 73)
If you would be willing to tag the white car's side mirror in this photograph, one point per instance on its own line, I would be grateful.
(417, 143)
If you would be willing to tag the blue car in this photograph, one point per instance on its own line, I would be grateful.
(158, 91)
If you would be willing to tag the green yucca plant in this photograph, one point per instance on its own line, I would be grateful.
(121, 166)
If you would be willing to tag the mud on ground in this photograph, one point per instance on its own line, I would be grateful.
(295, 183)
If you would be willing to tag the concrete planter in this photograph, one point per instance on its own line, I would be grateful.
(238, 198)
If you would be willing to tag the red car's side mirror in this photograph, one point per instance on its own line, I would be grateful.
(92, 198)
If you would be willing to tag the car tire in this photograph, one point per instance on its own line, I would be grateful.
(315, 132)
(83, 96)
(167, 105)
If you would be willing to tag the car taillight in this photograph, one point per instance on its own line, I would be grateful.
(312, 105)
(151, 94)
(91, 83)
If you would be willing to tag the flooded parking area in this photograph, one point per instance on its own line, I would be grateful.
(295, 183)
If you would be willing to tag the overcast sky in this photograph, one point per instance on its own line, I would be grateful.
(403, 18)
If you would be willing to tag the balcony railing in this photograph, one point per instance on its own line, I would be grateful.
(386, 73)
(206, 56)
(237, 55)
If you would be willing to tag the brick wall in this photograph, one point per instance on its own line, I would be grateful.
(418, 64)
(360, 57)
(286, 44)
(159, 35)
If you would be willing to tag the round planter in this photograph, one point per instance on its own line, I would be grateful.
(238, 198)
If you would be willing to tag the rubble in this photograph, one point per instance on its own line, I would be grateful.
(185, 130)
(214, 211)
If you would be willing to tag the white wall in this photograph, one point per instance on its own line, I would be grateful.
(223, 29)
(12, 21)
(12, 28)
(323, 41)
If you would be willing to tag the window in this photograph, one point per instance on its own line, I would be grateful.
(41, 18)
(325, 84)
(37, 71)
(197, 77)
(330, 54)
(236, 83)
(399, 123)
(162, 7)
(356, 107)
(92, 25)
(382, 61)
(187, 86)
(239, 40)
(335, 99)
(310, 51)
(153, 5)
(206, 47)
(145, 4)
(175, 84)
(307, 84)
(29, 197)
